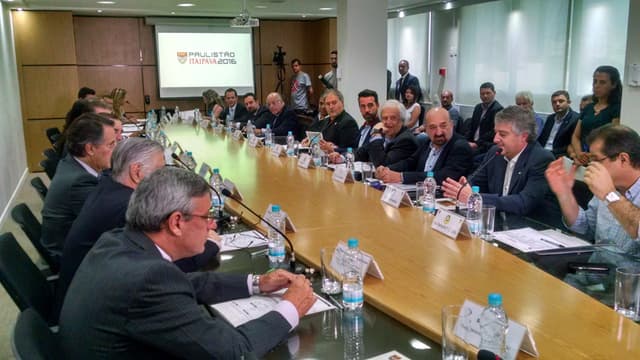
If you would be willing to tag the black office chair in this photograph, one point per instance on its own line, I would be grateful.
(51, 153)
(50, 167)
(53, 134)
(22, 215)
(23, 281)
(40, 187)
(33, 339)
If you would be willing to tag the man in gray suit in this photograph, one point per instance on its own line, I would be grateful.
(90, 142)
(129, 301)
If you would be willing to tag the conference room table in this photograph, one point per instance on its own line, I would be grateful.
(423, 269)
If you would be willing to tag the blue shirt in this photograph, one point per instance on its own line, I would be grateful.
(598, 222)
(432, 159)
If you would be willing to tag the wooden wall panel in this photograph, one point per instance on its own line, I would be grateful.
(36, 140)
(107, 41)
(48, 91)
(104, 78)
(150, 85)
(44, 37)
(147, 43)
(291, 35)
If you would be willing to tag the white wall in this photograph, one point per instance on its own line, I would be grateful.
(630, 115)
(13, 160)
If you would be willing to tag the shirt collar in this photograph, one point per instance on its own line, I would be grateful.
(163, 253)
(436, 149)
(633, 191)
(564, 117)
(86, 166)
(515, 158)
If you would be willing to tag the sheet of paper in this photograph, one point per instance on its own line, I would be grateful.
(564, 239)
(240, 311)
(528, 240)
(391, 355)
(242, 240)
(568, 162)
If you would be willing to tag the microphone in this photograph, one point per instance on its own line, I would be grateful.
(487, 355)
(470, 177)
(292, 262)
(325, 82)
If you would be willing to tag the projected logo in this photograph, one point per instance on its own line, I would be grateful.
(183, 56)
(207, 57)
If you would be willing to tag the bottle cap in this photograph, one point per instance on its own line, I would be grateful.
(475, 189)
(349, 150)
(216, 171)
(352, 243)
(268, 126)
(275, 208)
(289, 133)
(495, 299)
(189, 153)
(429, 173)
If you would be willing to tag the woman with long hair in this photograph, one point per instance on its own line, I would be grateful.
(412, 106)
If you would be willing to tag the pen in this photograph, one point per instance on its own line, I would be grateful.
(552, 242)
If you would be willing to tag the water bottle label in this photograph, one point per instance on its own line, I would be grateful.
(276, 251)
(429, 208)
(352, 297)
(474, 226)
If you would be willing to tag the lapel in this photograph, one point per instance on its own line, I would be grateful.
(445, 151)
(519, 172)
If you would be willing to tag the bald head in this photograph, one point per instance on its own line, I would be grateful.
(446, 99)
(275, 103)
(438, 126)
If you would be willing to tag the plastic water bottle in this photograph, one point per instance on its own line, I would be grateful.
(353, 334)
(291, 143)
(494, 325)
(217, 183)
(429, 197)
(276, 241)
(474, 212)
(249, 129)
(268, 136)
(352, 293)
(163, 113)
(228, 125)
(192, 161)
(176, 115)
(316, 154)
(349, 160)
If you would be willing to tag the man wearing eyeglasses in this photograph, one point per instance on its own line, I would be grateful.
(129, 301)
(446, 153)
(613, 176)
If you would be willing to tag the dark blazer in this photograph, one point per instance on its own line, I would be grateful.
(564, 134)
(367, 136)
(127, 302)
(68, 191)
(486, 124)
(261, 118)
(284, 122)
(105, 210)
(399, 148)
(241, 115)
(454, 161)
(409, 80)
(528, 185)
(342, 131)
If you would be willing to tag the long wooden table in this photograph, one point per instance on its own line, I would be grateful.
(423, 269)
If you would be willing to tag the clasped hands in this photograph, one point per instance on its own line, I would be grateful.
(299, 291)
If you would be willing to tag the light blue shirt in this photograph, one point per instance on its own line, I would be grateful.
(433, 157)
(600, 224)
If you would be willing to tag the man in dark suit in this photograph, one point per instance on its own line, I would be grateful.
(390, 140)
(514, 182)
(480, 131)
(339, 130)
(405, 81)
(558, 128)
(90, 141)
(128, 301)
(258, 114)
(234, 111)
(281, 119)
(446, 153)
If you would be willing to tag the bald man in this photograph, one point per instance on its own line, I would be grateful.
(282, 119)
(446, 153)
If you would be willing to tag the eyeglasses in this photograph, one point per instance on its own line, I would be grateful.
(592, 158)
(211, 215)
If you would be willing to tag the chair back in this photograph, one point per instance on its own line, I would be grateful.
(53, 134)
(28, 222)
(50, 166)
(32, 338)
(40, 187)
(21, 278)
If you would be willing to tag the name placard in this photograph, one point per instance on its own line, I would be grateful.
(205, 170)
(368, 264)
(305, 161)
(342, 174)
(255, 142)
(395, 197)
(278, 150)
(237, 135)
(288, 223)
(518, 336)
(175, 147)
(233, 189)
(448, 223)
(204, 123)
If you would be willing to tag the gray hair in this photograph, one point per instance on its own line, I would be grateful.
(394, 104)
(160, 194)
(335, 92)
(521, 121)
(527, 95)
(132, 151)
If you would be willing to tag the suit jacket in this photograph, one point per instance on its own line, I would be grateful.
(564, 134)
(127, 302)
(261, 118)
(528, 186)
(241, 115)
(455, 160)
(367, 136)
(342, 131)
(486, 124)
(409, 80)
(105, 210)
(397, 149)
(284, 122)
(68, 191)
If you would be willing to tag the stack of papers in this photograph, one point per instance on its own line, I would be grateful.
(242, 240)
(529, 240)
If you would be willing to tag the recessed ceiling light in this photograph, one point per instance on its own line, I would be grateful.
(304, 15)
(325, 9)
(99, 11)
(173, 13)
(106, 2)
(261, 6)
(401, 14)
(19, 9)
(186, 4)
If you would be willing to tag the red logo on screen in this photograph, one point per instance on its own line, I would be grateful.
(182, 56)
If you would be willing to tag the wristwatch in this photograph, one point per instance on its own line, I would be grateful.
(255, 284)
(611, 198)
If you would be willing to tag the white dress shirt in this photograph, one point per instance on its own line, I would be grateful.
(511, 164)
